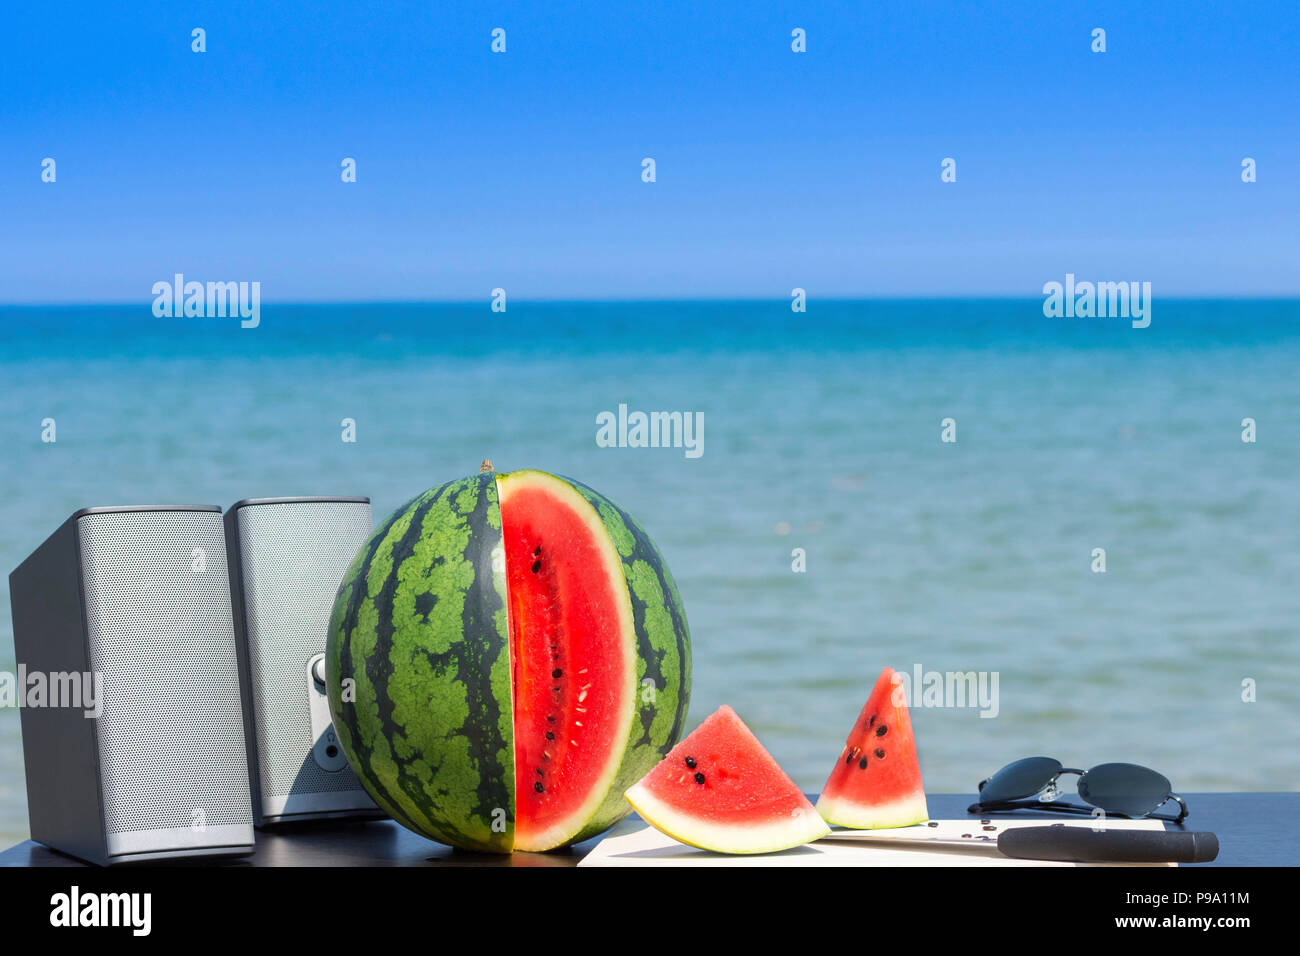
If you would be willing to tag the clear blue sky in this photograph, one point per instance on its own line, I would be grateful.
(523, 170)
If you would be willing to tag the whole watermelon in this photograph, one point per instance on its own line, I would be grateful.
(507, 654)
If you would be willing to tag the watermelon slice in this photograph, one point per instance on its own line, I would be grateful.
(720, 790)
(877, 780)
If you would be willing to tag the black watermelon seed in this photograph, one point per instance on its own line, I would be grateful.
(699, 777)
(848, 759)
(539, 771)
(690, 762)
(990, 828)
(537, 566)
(880, 753)
(538, 786)
(537, 550)
(872, 722)
(862, 764)
(932, 824)
(550, 736)
(965, 836)
(881, 730)
(550, 720)
(557, 673)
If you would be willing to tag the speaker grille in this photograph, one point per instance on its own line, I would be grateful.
(294, 556)
(161, 633)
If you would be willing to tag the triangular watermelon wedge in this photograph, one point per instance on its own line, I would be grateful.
(720, 790)
(876, 782)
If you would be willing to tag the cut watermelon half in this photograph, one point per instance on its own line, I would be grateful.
(573, 656)
(720, 790)
(876, 782)
(507, 654)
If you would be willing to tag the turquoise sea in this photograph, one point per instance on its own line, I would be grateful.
(822, 432)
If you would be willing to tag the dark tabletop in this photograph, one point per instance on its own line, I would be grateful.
(1254, 829)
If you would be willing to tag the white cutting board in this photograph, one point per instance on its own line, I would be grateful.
(635, 843)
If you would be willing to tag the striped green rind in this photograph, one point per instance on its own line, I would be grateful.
(663, 657)
(420, 626)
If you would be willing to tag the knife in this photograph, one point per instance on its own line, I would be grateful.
(1065, 844)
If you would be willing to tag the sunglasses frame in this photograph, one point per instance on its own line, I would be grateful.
(1036, 801)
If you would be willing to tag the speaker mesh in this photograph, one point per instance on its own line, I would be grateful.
(294, 556)
(161, 633)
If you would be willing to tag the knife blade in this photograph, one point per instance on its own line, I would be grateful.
(1064, 844)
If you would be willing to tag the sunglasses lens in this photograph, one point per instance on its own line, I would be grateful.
(1124, 788)
(1021, 779)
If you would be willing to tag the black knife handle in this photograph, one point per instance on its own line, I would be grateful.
(1086, 845)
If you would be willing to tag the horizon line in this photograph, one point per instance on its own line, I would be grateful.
(645, 300)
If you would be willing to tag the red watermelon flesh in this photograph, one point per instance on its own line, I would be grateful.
(877, 780)
(572, 661)
(720, 790)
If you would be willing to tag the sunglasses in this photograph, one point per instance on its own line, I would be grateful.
(1124, 789)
